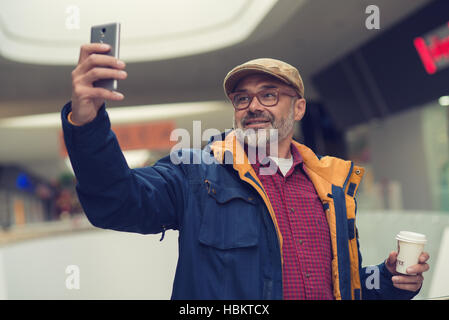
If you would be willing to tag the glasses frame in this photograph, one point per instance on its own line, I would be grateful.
(252, 95)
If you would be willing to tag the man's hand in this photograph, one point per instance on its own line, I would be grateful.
(408, 282)
(92, 66)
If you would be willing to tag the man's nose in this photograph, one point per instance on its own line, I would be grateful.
(255, 105)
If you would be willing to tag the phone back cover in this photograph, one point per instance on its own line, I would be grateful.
(111, 36)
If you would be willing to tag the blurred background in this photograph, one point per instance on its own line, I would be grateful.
(377, 89)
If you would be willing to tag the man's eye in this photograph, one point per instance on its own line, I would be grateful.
(269, 95)
(242, 99)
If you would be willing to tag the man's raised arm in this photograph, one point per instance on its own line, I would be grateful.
(113, 196)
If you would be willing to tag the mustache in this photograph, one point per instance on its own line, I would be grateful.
(261, 116)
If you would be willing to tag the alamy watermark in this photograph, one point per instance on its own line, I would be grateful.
(373, 20)
(260, 144)
(73, 279)
(72, 21)
(373, 280)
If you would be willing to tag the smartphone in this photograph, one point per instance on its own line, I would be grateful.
(110, 34)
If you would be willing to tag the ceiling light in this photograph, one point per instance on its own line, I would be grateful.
(132, 114)
(444, 101)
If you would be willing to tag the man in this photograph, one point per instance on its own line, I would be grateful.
(244, 232)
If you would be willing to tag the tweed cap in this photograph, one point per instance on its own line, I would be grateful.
(276, 68)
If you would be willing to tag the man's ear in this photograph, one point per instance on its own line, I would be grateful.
(300, 108)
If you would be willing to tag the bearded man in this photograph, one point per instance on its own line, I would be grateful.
(278, 223)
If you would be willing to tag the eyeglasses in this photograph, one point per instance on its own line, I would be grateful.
(267, 97)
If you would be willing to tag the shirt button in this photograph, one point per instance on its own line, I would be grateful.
(307, 275)
(301, 242)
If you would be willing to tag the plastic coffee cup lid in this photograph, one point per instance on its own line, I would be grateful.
(409, 236)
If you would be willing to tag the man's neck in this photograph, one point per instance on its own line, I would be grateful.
(284, 150)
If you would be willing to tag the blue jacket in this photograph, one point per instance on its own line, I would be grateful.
(230, 246)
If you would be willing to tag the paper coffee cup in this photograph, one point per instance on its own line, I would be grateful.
(410, 247)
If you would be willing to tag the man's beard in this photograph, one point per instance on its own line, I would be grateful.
(278, 130)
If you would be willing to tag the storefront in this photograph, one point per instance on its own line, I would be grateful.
(390, 97)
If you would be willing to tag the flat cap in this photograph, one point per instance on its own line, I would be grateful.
(276, 68)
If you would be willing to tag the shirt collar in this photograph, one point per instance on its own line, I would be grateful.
(297, 159)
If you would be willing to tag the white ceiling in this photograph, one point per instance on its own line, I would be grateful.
(151, 30)
(309, 34)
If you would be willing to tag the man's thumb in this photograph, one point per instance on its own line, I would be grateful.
(392, 258)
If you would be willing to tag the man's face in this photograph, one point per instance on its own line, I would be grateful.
(262, 119)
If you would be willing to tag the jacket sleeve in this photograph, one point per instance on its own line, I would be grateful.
(377, 284)
(113, 196)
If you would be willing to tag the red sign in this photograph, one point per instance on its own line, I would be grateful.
(433, 49)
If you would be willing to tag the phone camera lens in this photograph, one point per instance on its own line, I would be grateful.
(103, 30)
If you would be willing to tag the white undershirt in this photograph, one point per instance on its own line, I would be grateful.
(283, 164)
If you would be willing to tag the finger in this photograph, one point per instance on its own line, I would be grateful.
(410, 283)
(89, 48)
(102, 73)
(99, 60)
(407, 279)
(390, 262)
(94, 93)
(424, 257)
(418, 268)
(392, 257)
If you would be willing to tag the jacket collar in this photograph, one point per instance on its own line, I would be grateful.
(227, 150)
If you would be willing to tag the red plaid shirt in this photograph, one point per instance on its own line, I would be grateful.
(305, 232)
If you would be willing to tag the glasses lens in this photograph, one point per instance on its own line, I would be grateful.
(241, 100)
(268, 97)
